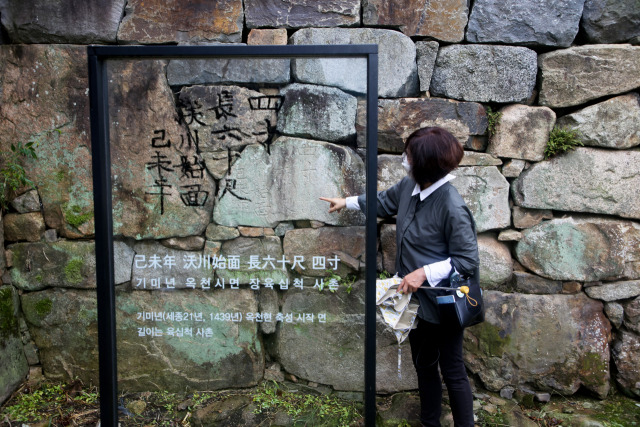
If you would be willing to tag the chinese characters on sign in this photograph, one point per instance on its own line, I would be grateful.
(213, 119)
(191, 171)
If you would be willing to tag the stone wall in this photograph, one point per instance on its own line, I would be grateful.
(225, 159)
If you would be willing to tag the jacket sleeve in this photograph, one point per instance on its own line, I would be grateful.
(460, 232)
(388, 201)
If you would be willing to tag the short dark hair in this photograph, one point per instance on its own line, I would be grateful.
(433, 153)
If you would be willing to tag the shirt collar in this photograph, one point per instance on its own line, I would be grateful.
(433, 187)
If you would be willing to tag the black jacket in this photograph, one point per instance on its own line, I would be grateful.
(439, 227)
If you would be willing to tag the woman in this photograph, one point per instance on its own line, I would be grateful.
(435, 236)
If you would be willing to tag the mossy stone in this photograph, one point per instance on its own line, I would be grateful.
(75, 216)
(43, 307)
(73, 270)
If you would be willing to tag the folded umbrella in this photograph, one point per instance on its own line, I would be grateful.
(398, 310)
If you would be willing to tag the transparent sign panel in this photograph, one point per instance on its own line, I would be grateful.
(230, 272)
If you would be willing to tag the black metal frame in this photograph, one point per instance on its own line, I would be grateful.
(101, 162)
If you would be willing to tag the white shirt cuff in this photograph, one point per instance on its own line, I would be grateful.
(352, 202)
(437, 271)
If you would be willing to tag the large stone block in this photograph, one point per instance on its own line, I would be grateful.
(65, 21)
(614, 291)
(472, 158)
(579, 74)
(522, 132)
(27, 202)
(64, 263)
(63, 324)
(387, 353)
(332, 353)
(390, 171)
(614, 123)
(60, 264)
(527, 218)
(202, 354)
(285, 183)
(441, 20)
(485, 73)
(160, 21)
(50, 83)
(426, 53)
(327, 353)
(611, 21)
(583, 249)
(28, 226)
(531, 284)
(398, 118)
(397, 70)
(327, 243)
(529, 22)
(625, 355)
(632, 315)
(496, 265)
(269, 36)
(486, 193)
(302, 13)
(161, 188)
(229, 70)
(317, 112)
(14, 367)
(593, 180)
(217, 353)
(550, 342)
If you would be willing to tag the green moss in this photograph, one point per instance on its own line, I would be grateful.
(39, 278)
(498, 418)
(493, 118)
(619, 411)
(43, 307)
(86, 316)
(562, 140)
(593, 369)
(75, 216)
(492, 339)
(59, 176)
(73, 271)
(307, 409)
(8, 321)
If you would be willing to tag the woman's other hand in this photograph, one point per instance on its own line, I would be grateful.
(412, 281)
(335, 204)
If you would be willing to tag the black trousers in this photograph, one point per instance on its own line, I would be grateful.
(437, 345)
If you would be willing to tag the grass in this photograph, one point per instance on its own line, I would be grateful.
(54, 403)
(306, 409)
(58, 404)
(347, 282)
(562, 140)
(74, 404)
(12, 174)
